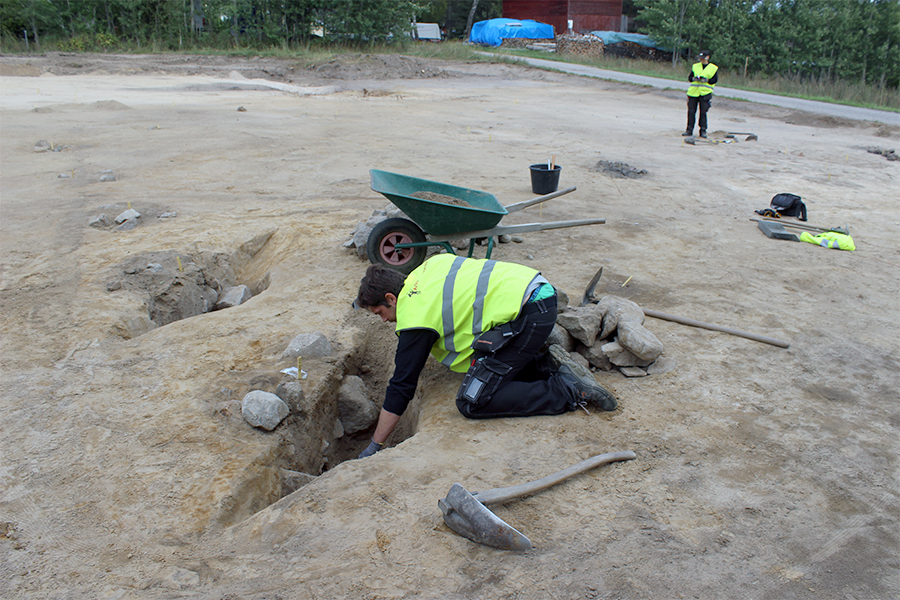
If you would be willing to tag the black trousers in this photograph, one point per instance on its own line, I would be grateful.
(704, 102)
(519, 380)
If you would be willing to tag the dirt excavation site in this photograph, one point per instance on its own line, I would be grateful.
(128, 469)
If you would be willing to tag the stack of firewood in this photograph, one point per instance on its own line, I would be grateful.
(579, 45)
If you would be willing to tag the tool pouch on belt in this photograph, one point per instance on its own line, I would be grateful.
(482, 380)
(493, 339)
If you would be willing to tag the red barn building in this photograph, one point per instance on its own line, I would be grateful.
(586, 15)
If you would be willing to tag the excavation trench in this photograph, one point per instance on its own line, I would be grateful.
(316, 428)
(166, 286)
(169, 285)
(312, 439)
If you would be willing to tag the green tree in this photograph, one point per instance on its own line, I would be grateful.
(857, 40)
(674, 24)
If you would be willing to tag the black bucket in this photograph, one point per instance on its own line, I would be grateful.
(543, 179)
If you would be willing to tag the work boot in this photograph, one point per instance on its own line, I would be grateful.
(687, 133)
(703, 133)
(580, 380)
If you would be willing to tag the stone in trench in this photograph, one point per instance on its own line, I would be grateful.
(310, 345)
(234, 296)
(42, 146)
(292, 393)
(128, 215)
(101, 221)
(127, 225)
(639, 340)
(621, 357)
(129, 327)
(355, 410)
(291, 481)
(263, 409)
(582, 322)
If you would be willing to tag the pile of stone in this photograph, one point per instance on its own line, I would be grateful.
(579, 45)
(611, 334)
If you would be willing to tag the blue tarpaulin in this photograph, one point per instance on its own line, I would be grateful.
(493, 31)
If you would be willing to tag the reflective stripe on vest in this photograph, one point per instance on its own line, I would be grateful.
(698, 88)
(459, 298)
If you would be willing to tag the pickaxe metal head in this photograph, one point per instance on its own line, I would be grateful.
(468, 517)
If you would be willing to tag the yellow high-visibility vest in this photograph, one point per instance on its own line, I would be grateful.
(699, 88)
(460, 298)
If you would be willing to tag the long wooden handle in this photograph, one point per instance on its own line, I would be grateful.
(685, 321)
(499, 495)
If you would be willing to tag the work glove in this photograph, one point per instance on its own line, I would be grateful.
(371, 449)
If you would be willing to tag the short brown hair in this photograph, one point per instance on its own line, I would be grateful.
(377, 282)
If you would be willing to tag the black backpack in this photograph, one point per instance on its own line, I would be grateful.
(789, 205)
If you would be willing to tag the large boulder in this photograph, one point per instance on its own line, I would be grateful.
(561, 336)
(263, 409)
(310, 345)
(615, 310)
(582, 322)
(355, 410)
(639, 340)
(621, 357)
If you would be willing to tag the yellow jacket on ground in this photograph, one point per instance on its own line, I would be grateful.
(829, 239)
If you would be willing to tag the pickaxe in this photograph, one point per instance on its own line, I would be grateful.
(467, 514)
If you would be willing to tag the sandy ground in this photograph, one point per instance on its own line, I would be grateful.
(125, 471)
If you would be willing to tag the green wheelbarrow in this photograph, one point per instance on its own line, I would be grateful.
(439, 214)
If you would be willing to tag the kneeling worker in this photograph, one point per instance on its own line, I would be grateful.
(487, 319)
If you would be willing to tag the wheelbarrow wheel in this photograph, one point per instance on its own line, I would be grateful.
(381, 245)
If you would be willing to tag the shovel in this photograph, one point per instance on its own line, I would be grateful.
(467, 514)
(750, 136)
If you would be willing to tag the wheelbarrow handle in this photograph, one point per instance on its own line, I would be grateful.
(538, 200)
(514, 229)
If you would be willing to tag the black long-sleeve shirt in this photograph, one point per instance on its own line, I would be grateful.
(413, 348)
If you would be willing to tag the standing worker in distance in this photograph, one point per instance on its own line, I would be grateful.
(703, 78)
(487, 319)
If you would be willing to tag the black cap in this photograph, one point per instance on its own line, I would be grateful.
(704, 54)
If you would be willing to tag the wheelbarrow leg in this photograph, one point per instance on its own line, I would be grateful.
(489, 248)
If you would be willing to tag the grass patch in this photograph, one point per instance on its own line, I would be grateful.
(316, 52)
(821, 89)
